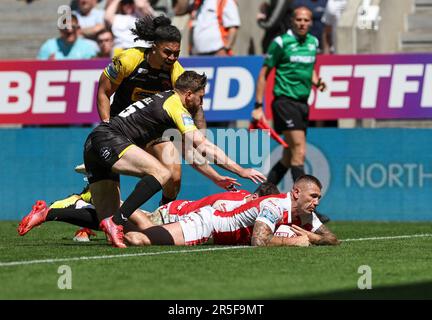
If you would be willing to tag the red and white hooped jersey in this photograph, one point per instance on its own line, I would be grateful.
(224, 201)
(235, 227)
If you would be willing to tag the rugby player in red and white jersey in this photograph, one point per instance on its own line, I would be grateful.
(252, 223)
(224, 201)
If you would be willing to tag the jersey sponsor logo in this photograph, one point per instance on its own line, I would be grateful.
(106, 153)
(302, 59)
(187, 119)
(270, 214)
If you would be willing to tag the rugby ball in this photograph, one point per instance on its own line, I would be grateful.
(285, 231)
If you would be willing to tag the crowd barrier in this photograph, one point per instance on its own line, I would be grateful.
(389, 86)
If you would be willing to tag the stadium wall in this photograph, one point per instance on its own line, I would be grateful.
(381, 174)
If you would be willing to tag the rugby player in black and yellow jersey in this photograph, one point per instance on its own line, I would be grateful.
(114, 148)
(135, 74)
(139, 72)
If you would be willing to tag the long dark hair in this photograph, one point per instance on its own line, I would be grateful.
(156, 29)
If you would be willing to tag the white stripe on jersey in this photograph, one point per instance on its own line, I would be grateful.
(246, 215)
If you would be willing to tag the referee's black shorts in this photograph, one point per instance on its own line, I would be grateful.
(289, 114)
(101, 150)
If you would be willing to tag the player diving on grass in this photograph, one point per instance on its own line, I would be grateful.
(83, 214)
(116, 148)
(253, 223)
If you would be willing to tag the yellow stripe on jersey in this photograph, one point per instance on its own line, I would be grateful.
(124, 64)
(176, 72)
(124, 150)
(178, 113)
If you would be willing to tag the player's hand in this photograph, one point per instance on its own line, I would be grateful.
(253, 175)
(227, 183)
(257, 114)
(313, 238)
(302, 241)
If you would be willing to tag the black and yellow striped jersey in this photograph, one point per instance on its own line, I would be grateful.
(147, 119)
(137, 79)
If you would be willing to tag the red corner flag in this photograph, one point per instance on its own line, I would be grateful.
(263, 125)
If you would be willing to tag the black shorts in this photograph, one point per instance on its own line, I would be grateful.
(101, 150)
(289, 114)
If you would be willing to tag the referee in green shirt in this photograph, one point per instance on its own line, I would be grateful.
(293, 54)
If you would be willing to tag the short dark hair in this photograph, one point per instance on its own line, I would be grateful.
(308, 179)
(191, 80)
(156, 29)
(266, 188)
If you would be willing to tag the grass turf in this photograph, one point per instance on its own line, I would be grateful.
(401, 268)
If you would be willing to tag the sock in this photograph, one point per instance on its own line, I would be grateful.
(144, 190)
(297, 171)
(277, 173)
(85, 217)
(165, 200)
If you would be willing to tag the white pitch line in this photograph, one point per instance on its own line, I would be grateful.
(19, 263)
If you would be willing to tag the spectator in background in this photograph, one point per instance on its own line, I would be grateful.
(293, 55)
(214, 27)
(332, 14)
(317, 7)
(120, 16)
(274, 18)
(90, 18)
(105, 41)
(69, 45)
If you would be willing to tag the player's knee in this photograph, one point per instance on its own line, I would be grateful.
(162, 174)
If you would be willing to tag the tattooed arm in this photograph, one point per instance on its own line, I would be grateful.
(262, 236)
(322, 236)
(327, 237)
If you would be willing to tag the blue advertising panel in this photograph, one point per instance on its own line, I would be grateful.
(367, 174)
(370, 174)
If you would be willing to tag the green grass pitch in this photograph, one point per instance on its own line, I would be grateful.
(401, 267)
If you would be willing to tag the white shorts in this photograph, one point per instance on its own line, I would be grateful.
(197, 226)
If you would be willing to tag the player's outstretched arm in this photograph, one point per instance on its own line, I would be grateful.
(195, 139)
(199, 163)
(263, 236)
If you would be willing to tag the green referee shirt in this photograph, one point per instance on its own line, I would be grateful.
(294, 62)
